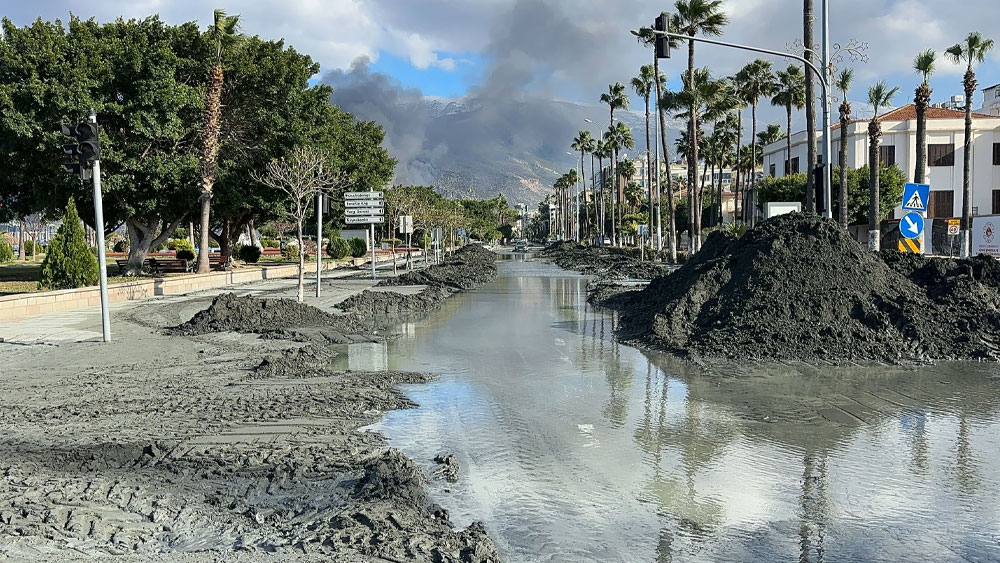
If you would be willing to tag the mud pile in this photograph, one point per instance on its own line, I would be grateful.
(469, 267)
(605, 263)
(797, 287)
(231, 313)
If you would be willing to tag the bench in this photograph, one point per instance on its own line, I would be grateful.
(167, 265)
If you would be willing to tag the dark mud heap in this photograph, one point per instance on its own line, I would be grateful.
(605, 263)
(798, 287)
(231, 313)
(469, 267)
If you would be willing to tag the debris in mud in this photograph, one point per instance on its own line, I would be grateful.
(605, 263)
(798, 287)
(392, 476)
(449, 468)
(309, 361)
(231, 313)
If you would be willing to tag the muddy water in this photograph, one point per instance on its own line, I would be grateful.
(576, 448)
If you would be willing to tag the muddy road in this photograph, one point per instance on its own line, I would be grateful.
(228, 438)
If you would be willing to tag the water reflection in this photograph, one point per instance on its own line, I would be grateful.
(580, 449)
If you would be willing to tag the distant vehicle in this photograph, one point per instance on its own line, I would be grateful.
(521, 246)
(606, 241)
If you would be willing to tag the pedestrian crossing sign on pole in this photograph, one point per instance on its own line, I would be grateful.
(915, 197)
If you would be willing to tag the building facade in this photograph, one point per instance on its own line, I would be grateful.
(945, 154)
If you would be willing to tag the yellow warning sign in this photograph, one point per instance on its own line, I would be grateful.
(910, 246)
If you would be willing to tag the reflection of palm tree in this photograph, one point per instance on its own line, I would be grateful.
(619, 376)
(965, 463)
(815, 508)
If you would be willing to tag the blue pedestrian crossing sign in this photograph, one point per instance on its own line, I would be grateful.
(911, 225)
(915, 197)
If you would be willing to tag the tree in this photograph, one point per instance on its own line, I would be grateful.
(810, 102)
(615, 98)
(619, 136)
(584, 143)
(643, 86)
(695, 17)
(855, 205)
(68, 262)
(844, 85)
(924, 64)
(222, 33)
(790, 92)
(972, 50)
(299, 176)
(879, 96)
(602, 151)
(758, 81)
(772, 134)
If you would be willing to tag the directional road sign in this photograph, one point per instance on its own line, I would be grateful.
(363, 211)
(364, 220)
(362, 195)
(911, 225)
(363, 203)
(915, 197)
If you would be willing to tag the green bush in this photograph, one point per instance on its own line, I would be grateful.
(338, 248)
(185, 254)
(269, 243)
(6, 252)
(250, 254)
(736, 229)
(69, 263)
(290, 252)
(358, 247)
(180, 244)
(30, 247)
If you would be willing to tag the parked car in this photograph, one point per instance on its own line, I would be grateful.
(521, 246)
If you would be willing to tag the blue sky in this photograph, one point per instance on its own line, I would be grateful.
(433, 81)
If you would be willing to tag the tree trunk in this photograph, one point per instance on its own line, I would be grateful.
(921, 99)
(692, 157)
(20, 241)
(615, 241)
(649, 171)
(788, 148)
(970, 90)
(583, 194)
(203, 246)
(736, 184)
(874, 237)
(671, 219)
(302, 261)
(807, 39)
(845, 119)
(753, 162)
(593, 181)
(254, 239)
(142, 236)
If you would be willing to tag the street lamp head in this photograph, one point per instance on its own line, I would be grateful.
(634, 32)
(588, 120)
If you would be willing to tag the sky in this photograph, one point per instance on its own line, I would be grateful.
(527, 50)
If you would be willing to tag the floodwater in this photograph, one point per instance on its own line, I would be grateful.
(576, 448)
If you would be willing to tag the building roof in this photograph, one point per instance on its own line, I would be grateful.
(909, 111)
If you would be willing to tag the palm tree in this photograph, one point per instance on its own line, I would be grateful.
(719, 112)
(618, 136)
(810, 103)
(222, 33)
(772, 134)
(844, 85)
(643, 86)
(924, 64)
(758, 81)
(603, 151)
(615, 98)
(695, 17)
(791, 92)
(741, 95)
(879, 96)
(583, 143)
(972, 50)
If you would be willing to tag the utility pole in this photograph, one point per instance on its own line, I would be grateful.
(319, 240)
(89, 141)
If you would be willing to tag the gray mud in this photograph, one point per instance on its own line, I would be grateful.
(601, 262)
(468, 268)
(205, 443)
(797, 287)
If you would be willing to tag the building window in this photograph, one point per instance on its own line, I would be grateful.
(942, 204)
(941, 155)
(773, 170)
(795, 166)
(996, 154)
(996, 201)
(887, 155)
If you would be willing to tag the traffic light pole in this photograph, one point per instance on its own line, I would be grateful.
(102, 259)
(319, 240)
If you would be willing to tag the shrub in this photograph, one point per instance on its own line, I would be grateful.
(121, 246)
(290, 252)
(358, 247)
(180, 244)
(250, 254)
(30, 247)
(338, 248)
(736, 229)
(6, 251)
(185, 254)
(69, 263)
(269, 243)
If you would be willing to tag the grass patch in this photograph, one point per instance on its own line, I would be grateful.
(23, 277)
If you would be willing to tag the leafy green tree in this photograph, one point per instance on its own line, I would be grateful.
(6, 251)
(338, 248)
(793, 188)
(69, 263)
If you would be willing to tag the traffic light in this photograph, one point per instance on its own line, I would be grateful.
(86, 150)
(90, 147)
(662, 44)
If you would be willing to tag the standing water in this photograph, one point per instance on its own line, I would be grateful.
(576, 448)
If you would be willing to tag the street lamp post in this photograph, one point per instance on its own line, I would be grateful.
(824, 81)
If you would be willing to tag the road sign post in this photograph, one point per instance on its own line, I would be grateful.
(365, 208)
(911, 226)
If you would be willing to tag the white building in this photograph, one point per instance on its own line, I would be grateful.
(945, 153)
(991, 100)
